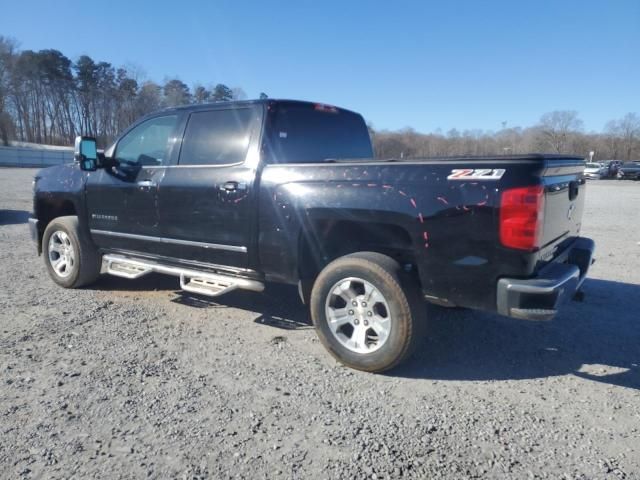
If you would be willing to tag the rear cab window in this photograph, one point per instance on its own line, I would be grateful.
(314, 133)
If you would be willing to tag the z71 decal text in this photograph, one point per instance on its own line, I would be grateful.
(476, 174)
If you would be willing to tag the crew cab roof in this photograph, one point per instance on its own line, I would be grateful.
(244, 103)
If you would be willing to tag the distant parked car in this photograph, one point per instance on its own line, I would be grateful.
(629, 170)
(595, 171)
(612, 167)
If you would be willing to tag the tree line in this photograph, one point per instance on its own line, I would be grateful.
(556, 132)
(45, 97)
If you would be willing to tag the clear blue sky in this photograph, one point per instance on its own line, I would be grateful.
(426, 64)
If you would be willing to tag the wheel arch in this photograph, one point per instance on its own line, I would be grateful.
(327, 239)
(46, 209)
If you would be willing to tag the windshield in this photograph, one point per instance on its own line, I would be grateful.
(594, 165)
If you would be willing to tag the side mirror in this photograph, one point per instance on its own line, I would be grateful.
(86, 153)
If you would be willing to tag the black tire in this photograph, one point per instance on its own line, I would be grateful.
(401, 293)
(85, 268)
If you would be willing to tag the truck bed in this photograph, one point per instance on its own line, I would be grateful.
(449, 207)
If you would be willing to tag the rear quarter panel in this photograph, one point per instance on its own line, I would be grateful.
(451, 223)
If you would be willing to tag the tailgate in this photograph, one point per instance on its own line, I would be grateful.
(564, 204)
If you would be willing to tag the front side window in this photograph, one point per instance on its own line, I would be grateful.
(217, 137)
(148, 144)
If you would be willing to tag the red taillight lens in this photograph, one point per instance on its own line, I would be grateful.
(521, 217)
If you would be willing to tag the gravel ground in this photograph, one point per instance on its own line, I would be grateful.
(134, 379)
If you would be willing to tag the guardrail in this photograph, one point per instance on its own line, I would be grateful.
(34, 157)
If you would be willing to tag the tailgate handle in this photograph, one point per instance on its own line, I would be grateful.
(574, 189)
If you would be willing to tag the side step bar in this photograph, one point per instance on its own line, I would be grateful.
(204, 283)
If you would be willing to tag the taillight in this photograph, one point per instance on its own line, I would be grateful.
(521, 217)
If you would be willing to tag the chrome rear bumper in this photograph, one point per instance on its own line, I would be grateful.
(539, 298)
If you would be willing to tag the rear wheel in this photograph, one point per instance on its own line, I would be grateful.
(366, 311)
(71, 258)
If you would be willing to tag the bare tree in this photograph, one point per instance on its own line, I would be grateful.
(201, 94)
(625, 134)
(557, 126)
(7, 53)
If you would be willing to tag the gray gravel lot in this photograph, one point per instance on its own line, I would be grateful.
(133, 379)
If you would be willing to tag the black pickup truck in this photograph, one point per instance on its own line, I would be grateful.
(232, 195)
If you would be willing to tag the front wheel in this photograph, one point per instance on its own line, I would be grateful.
(366, 311)
(71, 258)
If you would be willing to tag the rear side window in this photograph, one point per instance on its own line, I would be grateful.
(217, 137)
(311, 134)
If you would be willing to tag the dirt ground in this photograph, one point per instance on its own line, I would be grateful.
(134, 379)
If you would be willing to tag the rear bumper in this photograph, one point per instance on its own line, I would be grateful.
(539, 298)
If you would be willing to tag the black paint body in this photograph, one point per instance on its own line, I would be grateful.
(288, 220)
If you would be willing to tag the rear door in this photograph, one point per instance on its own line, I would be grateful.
(122, 202)
(206, 202)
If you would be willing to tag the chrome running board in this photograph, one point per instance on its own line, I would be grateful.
(204, 283)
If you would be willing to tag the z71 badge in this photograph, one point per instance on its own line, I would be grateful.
(477, 174)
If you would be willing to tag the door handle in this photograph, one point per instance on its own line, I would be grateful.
(146, 183)
(234, 186)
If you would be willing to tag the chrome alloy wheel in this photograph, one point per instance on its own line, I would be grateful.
(62, 256)
(358, 315)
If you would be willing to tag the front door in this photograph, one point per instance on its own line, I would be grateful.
(206, 202)
(122, 201)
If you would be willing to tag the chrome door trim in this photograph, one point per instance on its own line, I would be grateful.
(223, 165)
(216, 246)
(126, 235)
(189, 243)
